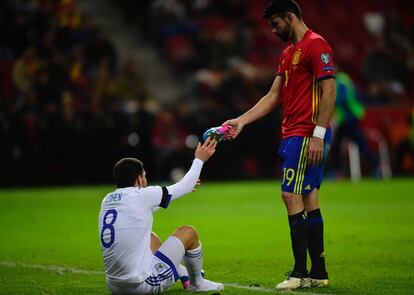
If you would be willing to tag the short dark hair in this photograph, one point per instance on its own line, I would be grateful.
(280, 8)
(126, 172)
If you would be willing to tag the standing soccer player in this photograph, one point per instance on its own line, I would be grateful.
(135, 261)
(305, 88)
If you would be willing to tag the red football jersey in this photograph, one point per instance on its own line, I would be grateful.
(301, 66)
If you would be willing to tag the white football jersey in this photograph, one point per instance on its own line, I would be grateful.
(125, 224)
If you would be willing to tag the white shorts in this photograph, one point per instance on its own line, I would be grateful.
(163, 271)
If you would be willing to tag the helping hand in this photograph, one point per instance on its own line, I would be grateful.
(206, 150)
(237, 127)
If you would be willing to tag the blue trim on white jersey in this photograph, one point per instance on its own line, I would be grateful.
(152, 284)
(156, 281)
(161, 277)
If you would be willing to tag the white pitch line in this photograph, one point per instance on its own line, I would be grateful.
(258, 289)
(56, 268)
(62, 269)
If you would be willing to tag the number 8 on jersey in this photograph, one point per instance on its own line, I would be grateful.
(108, 228)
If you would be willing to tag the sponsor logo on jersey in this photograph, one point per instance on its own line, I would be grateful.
(325, 58)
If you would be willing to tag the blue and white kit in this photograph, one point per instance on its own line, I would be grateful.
(125, 226)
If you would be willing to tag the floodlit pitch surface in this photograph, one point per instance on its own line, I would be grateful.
(49, 239)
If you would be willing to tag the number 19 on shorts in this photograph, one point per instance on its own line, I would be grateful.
(288, 176)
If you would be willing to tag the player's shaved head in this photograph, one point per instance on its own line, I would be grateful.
(126, 172)
(280, 8)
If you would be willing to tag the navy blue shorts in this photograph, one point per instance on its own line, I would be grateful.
(298, 176)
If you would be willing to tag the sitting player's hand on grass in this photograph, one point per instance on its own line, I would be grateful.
(206, 150)
(237, 127)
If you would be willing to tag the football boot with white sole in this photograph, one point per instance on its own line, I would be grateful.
(292, 282)
(319, 283)
(205, 285)
(185, 280)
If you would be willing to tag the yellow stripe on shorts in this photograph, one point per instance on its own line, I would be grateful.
(304, 165)
(300, 173)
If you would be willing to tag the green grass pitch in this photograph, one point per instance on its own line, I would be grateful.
(49, 239)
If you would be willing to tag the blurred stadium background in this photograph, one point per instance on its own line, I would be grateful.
(86, 82)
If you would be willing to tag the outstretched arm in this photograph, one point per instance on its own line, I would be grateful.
(264, 106)
(190, 180)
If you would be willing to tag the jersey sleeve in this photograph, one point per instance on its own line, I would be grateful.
(282, 64)
(188, 182)
(155, 196)
(321, 60)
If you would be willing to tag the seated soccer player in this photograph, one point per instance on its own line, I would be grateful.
(135, 260)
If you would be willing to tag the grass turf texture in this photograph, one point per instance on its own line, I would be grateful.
(369, 237)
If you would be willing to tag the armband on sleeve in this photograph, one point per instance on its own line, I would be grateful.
(166, 198)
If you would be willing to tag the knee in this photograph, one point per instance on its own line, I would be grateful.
(311, 201)
(188, 230)
(188, 236)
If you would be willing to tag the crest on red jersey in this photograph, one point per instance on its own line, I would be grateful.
(296, 57)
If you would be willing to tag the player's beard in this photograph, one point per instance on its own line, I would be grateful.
(286, 34)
